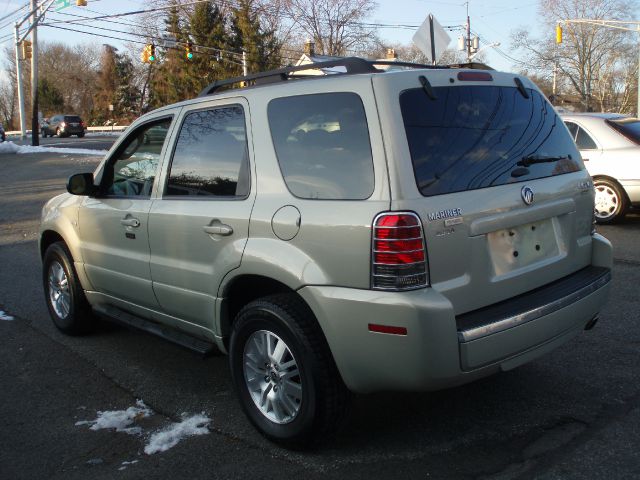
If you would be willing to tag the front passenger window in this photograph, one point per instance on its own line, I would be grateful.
(133, 171)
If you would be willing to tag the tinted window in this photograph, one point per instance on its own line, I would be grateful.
(473, 137)
(629, 127)
(573, 129)
(211, 156)
(72, 118)
(132, 172)
(322, 144)
(584, 141)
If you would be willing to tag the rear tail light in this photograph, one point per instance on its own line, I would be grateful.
(398, 257)
(82, 124)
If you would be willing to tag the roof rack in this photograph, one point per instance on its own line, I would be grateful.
(352, 65)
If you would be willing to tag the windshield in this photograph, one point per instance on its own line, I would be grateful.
(629, 127)
(474, 137)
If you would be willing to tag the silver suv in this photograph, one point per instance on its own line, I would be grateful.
(408, 229)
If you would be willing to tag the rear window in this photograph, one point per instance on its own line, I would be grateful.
(322, 144)
(474, 137)
(72, 118)
(629, 127)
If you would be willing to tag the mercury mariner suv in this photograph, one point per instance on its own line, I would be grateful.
(376, 228)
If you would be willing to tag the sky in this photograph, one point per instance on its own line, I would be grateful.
(491, 20)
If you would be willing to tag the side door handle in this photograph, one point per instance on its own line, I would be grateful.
(216, 227)
(130, 222)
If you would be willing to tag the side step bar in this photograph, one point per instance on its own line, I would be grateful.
(180, 338)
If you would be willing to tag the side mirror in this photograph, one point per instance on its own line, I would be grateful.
(81, 184)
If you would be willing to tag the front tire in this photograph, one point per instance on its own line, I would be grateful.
(610, 202)
(284, 374)
(68, 307)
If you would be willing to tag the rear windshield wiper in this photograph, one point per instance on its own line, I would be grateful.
(531, 159)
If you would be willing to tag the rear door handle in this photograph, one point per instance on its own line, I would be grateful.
(218, 228)
(130, 222)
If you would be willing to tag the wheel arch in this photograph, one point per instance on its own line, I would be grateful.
(47, 238)
(612, 180)
(241, 290)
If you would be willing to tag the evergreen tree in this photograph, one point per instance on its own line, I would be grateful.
(261, 47)
(207, 27)
(106, 84)
(50, 99)
(169, 83)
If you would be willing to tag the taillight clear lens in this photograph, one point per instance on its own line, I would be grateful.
(399, 252)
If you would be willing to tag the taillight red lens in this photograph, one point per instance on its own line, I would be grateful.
(399, 252)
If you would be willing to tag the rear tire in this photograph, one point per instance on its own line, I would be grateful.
(284, 374)
(80, 135)
(611, 201)
(68, 307)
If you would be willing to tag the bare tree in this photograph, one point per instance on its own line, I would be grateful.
(591, 59)
(335, 26)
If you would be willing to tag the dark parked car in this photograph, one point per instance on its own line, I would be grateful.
(63, 126)
(3, 136)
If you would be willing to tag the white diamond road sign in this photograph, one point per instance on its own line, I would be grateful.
(431, 38)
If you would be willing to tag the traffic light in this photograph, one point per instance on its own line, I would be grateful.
(148, 53)
(26, 49)
(188, 51)
(558, 34)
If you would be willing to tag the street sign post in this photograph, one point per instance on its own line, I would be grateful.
(431, 38)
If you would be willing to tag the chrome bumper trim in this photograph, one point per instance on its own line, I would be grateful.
(528, 316)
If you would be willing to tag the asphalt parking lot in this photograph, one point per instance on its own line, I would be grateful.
(573, 414)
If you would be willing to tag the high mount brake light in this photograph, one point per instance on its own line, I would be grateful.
(474, 77)
(398, 257)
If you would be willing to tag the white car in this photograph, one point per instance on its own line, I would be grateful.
(610, 147)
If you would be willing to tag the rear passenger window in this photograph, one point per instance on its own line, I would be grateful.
(573, 129)
(211, 156)
(584, 140)
(322, 144)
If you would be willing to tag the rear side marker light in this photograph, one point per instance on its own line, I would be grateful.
(389, 329)
(475, 77)
(398, 256)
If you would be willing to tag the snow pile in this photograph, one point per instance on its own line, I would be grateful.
(10, 147)
(169, 437)
(120, 419)
(160, 440)
(5, 316)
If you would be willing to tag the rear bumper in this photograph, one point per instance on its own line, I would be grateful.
(438, 351)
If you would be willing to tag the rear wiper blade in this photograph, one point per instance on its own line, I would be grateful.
(531, 159)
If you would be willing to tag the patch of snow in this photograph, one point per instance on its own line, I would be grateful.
(169, 437)
(5, 316)
(115, 133)
(120, 419)
(126, 464)
(10, 147)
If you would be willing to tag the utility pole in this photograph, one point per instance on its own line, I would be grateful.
(468, 35)
(23, 127)
(35, 120)
(245, 71)
(34, 19)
